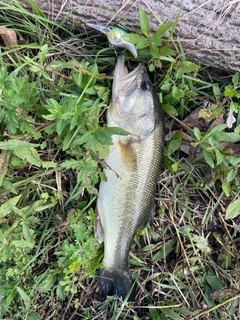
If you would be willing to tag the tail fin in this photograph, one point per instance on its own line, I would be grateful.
(115, 283)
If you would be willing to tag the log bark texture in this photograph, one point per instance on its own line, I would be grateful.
(209, 30)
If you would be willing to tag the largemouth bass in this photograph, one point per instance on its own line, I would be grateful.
(126, 199)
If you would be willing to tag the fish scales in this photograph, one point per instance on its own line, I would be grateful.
(126, 199)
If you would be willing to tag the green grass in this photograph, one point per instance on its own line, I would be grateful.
(55, 88)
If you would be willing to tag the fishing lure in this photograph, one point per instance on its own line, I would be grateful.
(114, 35)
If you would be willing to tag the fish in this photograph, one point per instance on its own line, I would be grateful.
(126, 200)
(115, 37)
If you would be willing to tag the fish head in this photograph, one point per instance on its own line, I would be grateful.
(133, 100)
(114, 35)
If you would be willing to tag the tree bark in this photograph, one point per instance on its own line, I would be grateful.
(209, 30)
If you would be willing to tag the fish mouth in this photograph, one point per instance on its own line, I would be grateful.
(125, 82)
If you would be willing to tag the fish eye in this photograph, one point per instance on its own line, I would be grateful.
(145, 85)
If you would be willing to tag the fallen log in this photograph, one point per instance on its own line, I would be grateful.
(209, 31)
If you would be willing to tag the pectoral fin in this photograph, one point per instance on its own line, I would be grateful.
(128, 153)
(98, 228)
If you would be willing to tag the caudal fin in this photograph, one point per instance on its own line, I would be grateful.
(114, 283)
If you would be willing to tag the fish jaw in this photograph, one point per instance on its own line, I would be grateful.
(125, 82)
(128, 89)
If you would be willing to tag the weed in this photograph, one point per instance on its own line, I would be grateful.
(55, 87)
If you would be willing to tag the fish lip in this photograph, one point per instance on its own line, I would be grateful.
(125, 82)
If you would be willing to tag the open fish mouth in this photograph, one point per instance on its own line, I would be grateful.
(125, 82)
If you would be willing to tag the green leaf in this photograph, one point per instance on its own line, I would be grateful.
(214, 282)
(103, 137)
(197, 133)
(231, 175)
(231, 137)
(49, 164)
(235, 79)
(214, 131)
(233, 210)
(156, 40)
(60, 125)
(144, 22)
(172, 146)
(226, 188)
(8, 206)
(154, 52)
(35, 68)
(22, 244)
(151, 67)
(74, 121)
(176, 92)
(4, 162)
(42, 54)
(201, 243)
(150, 246)
(171, 314)
(104, 134)
(219, 157)
(49, 282)
(85, 137)
(24, 296)
(208, 157)
(163, 28)
(16, 144)
(139, 41)
(188, 66)
(169, 109)
(229, 91)
(216, 92)
(164, 251)
(233, 160)
(167, 85)
(60, 292)
(166, 51)
(30, 155)
(26, 231)
(115, 130)
(155, 314)
(77, 77)
(33, 316)
(46, 76)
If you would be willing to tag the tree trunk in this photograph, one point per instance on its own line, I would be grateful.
(209, 31)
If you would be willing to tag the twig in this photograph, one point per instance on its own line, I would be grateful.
(202, 313)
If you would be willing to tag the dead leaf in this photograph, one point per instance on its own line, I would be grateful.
(231, 119)
(193, 120)
(216, 122)
(9, 37)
